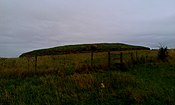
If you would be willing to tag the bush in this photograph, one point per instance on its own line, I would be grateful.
(163, 53)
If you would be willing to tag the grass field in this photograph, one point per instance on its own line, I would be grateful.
(69, 79)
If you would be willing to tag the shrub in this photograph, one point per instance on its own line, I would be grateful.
(163, 53)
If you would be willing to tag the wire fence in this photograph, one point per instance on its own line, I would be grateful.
(71, 63)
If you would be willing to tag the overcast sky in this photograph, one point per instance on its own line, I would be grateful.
(33, 24)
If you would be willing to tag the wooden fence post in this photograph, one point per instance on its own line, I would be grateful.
(92, 58)
(0, 63)
(93, 49)
(109, 59)
(35, 62)
(137, 56)
(132, 57)
(28, 63)
(121, 58)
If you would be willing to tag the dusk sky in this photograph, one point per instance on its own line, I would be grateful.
(27, 25)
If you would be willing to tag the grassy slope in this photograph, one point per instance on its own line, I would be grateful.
(83, 48)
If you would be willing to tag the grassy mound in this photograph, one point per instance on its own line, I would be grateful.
(81, 48)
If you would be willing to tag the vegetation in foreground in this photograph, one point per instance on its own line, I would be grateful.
(144, 84)
(148, 81)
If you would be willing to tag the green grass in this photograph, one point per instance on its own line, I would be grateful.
(80, 48)
(138, 86)
(56, 82)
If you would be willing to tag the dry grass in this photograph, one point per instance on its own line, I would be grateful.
(70, 63)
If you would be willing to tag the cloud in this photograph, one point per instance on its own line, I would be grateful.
(27, 25)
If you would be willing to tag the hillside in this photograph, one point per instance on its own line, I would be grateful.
(81, 48)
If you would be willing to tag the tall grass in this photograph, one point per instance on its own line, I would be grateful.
(69, 79)
(71, 63)
(119, 88)
(60, 64)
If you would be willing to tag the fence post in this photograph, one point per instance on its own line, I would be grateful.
(122, 65)
(35, 62)
(132, 58)
(0, 63)
(93, 49)
(92, 58)
(28, 63)
(121, 58)
(109, 59)
(137, 56)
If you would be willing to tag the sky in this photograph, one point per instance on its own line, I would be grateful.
(27, 25)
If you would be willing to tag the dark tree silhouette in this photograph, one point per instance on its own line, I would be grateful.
(163, 53)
